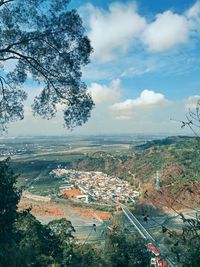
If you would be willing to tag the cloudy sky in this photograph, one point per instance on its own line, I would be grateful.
(144, 70)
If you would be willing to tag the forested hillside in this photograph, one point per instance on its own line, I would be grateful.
(176, 158)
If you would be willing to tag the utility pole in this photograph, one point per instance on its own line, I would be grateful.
(158, 182)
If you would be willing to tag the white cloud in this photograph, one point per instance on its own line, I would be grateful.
(168, 29)
(146, 98)
(114, 29)
(103, 93)
(122, 117)
(192, 101)
(112, 32)
(133, 71)
(194, 11)
(193, 15)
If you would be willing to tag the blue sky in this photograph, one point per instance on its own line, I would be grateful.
(144, 69)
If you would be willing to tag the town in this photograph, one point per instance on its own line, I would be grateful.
(96, 186)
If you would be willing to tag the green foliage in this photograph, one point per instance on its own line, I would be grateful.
(41, 245)
(62, 229)
(93, 205)
(112, 164)
(9, 196)
(46, 40)
(26, 242)
(191, 255)
(186, 247)
(87, 255)
(126, 250)
(177, 159)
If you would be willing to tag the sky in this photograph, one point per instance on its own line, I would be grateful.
(144, 71)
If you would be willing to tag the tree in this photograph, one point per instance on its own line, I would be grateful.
(192, 253)
(37, 246)
(62, 228)
(126, 250)
(52, 244)
(45, 42)
(9, 196)
(87, 255)
(191, 232)
(42, 245)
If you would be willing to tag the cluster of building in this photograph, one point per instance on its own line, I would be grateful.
(9, 150)
(97, 185)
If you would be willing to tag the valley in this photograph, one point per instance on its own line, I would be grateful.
(135, 162)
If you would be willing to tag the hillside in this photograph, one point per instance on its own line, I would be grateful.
(176, 158)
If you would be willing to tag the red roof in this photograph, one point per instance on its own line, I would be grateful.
(161, 263)
(153, 249)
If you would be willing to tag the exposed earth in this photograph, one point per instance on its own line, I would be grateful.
(46, 211)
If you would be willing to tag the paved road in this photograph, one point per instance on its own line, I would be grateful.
(171, 221)
(144, 233)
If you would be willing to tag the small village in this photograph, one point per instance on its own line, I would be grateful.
(95, 186)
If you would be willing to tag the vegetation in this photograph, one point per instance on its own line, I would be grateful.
(34, 171)
(177, 159)
(34, 244)
(112, 164)
(9, 196)
(26, 242)
(126, 250)
(185, 244)
(43, 39)
(93, 205)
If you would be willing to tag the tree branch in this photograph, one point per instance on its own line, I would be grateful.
(23, 40)
(28, 58)
(2, 2)
(4, 98)
(7, 58)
